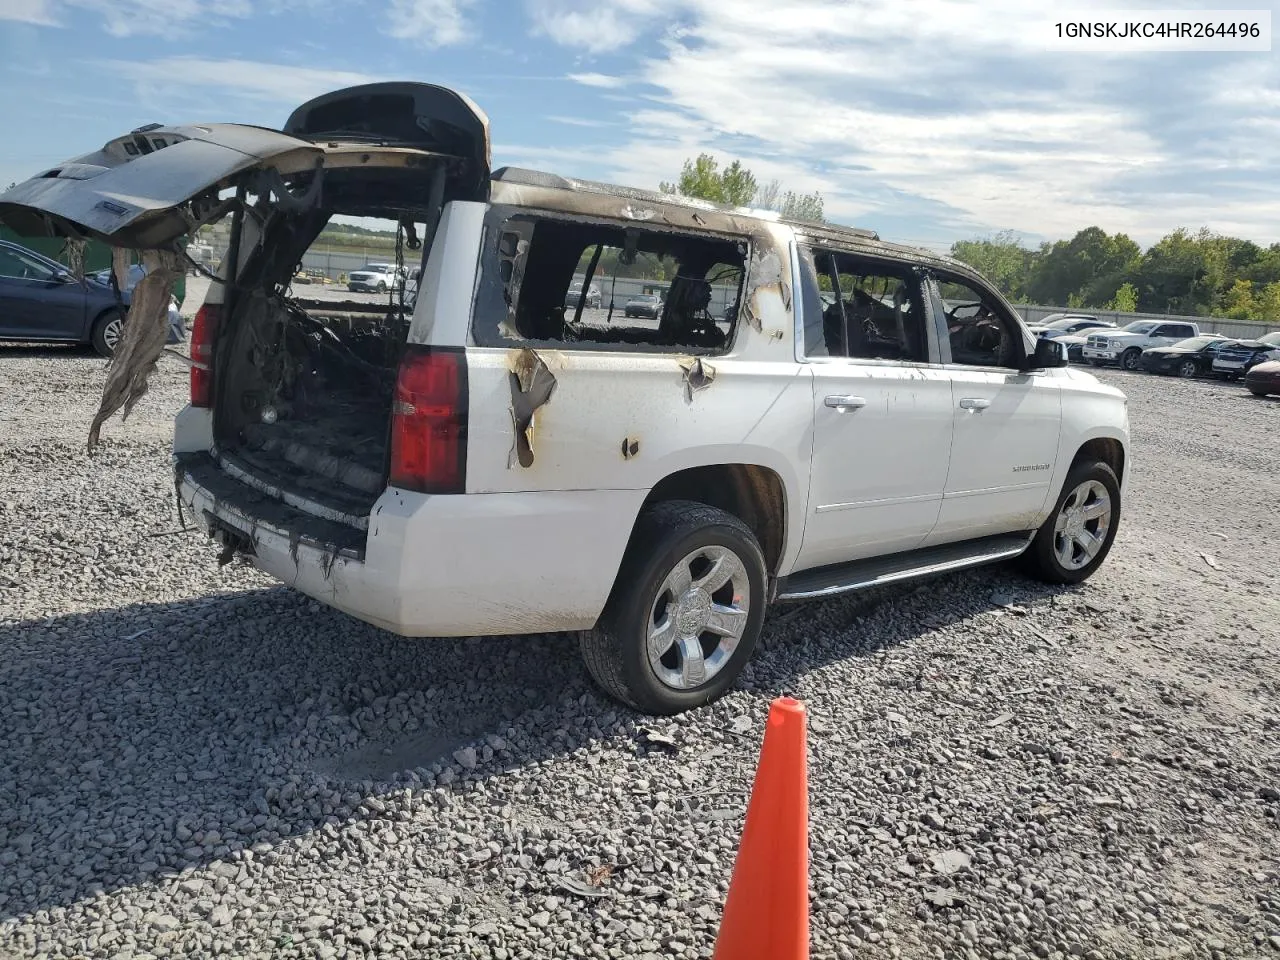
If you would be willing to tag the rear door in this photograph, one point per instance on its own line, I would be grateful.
(38, 301)
(882, 421)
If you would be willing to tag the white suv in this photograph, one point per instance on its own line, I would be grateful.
(497, 464)
(375, 278)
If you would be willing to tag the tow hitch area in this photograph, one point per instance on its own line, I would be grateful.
(230, 540)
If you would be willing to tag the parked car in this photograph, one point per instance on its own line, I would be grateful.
(645, 305)
(1124, 346)
(41, 302)
(1186, 358)
(1234, 361)
(374, 278)
(113, 330)
(1074, 345)
(594, 297)
(1065, 324)
(1264, 378)
(653, 491)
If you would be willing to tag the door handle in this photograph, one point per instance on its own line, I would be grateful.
(974, 403)
(845, 404)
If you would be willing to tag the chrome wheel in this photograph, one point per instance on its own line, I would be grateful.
(698, 617)
(1080, 529)
(1130, 360)
(112, 333)
(1188, 368)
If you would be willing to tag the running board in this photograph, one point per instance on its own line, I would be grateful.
(876, 571)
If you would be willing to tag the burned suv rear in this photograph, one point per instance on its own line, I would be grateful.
(294, 401)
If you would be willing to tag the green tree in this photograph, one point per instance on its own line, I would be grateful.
(1269, 302)
(797, 206)
(701, 178)
(1183, 273)
(1001, 258)
(1125, 300)
(736, 185)
(1239, 303)
(1091, 266)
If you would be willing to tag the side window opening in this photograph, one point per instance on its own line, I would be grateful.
(978, 330)
(871, 310)
(562, 281)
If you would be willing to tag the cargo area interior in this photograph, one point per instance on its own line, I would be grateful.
(304, 387)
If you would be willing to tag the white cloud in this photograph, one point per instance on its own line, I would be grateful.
(580, 121)
(431, 23)
(244, 78)
(38, 12)
(947, 115)
(161, 18)
(594, 26)
(601, 80)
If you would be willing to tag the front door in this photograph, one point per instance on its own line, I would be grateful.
(37, 300)
(881, 410)
(1008, 419)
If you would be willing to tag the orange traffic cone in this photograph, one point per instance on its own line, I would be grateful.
(766, 915)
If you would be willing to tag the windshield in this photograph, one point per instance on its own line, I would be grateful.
(1066, 323)
(377, 267)
(1271, 339)
(647, 298)
(1196, 343)
(1139, 326)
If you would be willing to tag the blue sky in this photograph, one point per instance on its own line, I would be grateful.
(928, 120)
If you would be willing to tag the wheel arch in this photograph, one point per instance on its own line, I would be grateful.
(1109, 450)
(753, 493)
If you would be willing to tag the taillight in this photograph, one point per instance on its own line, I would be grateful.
(203, 329)
(429, 421)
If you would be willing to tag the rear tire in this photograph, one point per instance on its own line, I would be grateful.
(1130, 358)
(107, 330)
(685, 612)
(1077, 537)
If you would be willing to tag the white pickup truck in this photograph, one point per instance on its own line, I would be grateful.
(499, 463)
(1124, 346)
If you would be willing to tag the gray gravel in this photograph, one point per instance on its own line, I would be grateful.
(196, 761)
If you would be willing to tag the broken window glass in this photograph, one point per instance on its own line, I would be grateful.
(870, 309)
(547, 280)
(979, 331)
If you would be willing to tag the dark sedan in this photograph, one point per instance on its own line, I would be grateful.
(646, 305)
(1263, 379)
(1192, 357)
(40, 301)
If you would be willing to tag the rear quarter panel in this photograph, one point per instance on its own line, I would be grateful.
(624, 420)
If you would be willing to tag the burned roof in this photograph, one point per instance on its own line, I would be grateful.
(720, 216)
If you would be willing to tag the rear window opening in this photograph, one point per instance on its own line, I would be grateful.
(573, 283)
(306, 367)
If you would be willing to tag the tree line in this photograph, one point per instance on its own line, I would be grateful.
(737, 186)
(1192, 274)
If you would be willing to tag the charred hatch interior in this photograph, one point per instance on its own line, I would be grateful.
(305, 386)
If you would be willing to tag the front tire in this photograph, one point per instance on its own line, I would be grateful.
(382, 287)
(1130, 358)
(107, 331)
(685, 613)
(1077, 537)
(1188, 368)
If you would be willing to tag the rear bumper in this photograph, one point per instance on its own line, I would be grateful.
(471, 565)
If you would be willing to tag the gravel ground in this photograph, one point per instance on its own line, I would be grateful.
(196, 761)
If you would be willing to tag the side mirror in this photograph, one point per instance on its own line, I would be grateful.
(1048, 353)
(63, 276)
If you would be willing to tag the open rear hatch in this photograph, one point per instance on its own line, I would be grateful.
(301, 389)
